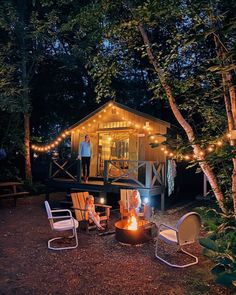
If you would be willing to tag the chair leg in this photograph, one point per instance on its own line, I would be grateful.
(177, 265)
(107, 224)
(64, 248)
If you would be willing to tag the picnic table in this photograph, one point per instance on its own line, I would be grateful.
(10, 190)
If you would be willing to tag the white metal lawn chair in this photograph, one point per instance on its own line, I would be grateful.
(65, 222)
(186, 232)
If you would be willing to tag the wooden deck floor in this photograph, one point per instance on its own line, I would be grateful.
(97, 185)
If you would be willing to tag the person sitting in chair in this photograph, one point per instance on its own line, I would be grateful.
(135, 203)
(93, 215)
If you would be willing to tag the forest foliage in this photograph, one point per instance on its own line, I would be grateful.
(61, 59)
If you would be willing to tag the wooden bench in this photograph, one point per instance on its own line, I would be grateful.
(11, 186)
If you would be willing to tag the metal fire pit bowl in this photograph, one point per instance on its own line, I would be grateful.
(146, 231)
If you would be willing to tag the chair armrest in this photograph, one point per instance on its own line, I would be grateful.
(101, 205)
(85, 210)
(61, 217)
(106, 207)
(167, 226)
(62, 210)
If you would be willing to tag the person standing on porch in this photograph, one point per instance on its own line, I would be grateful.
(85, 154)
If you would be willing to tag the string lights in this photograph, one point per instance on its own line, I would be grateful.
(209, 149)
(88, 125)
(145, 129)
(52, 145)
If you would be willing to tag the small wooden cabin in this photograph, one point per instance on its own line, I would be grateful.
(121, 134)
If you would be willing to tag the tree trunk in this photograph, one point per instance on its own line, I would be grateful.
(28, 173)
(234, 186)
(185, 125)
(230, 106)
(22, 8)
(231, 116)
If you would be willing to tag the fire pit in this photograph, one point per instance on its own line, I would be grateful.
(135, 233)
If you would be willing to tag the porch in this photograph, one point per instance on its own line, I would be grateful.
(149, 177)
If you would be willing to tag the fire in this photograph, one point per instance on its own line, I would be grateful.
(132, 223)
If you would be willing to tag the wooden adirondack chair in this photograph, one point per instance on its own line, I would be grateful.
(124, 204)
(81, 214)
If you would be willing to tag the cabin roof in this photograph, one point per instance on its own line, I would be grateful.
(124, 107)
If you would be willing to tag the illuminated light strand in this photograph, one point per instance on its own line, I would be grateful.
(58, 140)
(146, 128)
(48, 147)
(209, 149)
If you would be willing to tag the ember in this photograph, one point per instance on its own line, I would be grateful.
(132, 223)
(133, 231)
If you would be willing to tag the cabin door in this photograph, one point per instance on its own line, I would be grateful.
(113, 145)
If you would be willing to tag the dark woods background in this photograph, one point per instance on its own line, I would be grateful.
(60, 60)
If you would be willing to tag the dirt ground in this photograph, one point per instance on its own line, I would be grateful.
(100, 264)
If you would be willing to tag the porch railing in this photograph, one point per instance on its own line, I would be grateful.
(70, 169)
(146, 174)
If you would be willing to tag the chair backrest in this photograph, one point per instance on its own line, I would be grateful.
(188, 227)
(79, 201)
(125, 194)
(49, 213)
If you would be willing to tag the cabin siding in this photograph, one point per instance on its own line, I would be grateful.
(137, 132)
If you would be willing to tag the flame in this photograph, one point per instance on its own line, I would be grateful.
(132, 223)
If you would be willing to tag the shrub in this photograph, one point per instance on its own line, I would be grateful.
(220, 244)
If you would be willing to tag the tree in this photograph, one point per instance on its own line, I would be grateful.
(228, 91)
(181, 65)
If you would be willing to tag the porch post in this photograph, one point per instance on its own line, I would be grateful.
(50, 169)
(164, 185)
(78, 170)
(106, 166)
(163, 201)
(148, 176)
